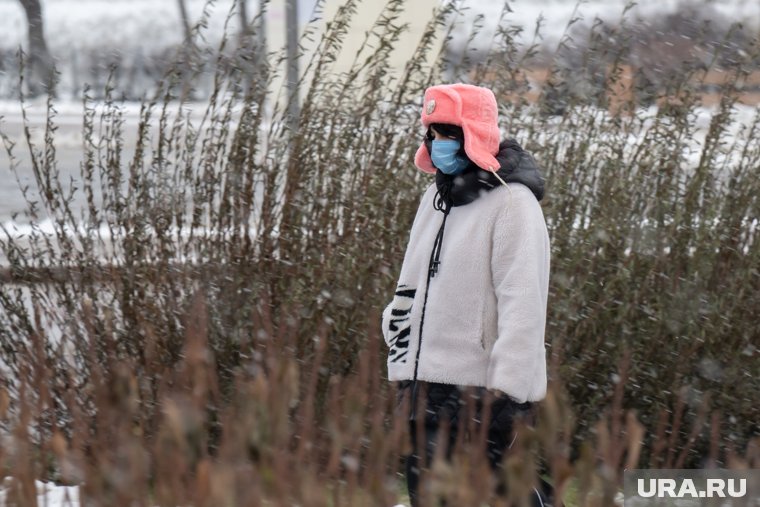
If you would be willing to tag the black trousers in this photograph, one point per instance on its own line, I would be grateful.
(447, 402)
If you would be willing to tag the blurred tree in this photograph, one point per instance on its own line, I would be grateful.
(245, 29)
(185, 18)
(291, 44)
(252, 59)
(39, 62)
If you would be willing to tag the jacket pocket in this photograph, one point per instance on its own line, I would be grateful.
(397, 324)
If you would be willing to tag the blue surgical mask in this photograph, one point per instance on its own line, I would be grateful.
(445, 158)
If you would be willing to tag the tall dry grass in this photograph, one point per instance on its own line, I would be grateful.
(205, 331)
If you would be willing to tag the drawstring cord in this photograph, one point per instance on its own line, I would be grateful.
(433, 268)
(503, 183)
(442, 203)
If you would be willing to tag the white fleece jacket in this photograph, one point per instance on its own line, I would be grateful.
(485, 311)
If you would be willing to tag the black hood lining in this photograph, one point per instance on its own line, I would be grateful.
(515, 166)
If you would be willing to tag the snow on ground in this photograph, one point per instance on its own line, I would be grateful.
(50, 495)
(68, 112)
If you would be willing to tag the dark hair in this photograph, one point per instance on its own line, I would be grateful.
(447, 130)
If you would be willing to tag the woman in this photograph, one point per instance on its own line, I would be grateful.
(470, 305)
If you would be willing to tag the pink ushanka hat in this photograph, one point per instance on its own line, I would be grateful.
(474, 109)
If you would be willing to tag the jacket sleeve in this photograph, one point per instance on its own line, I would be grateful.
(520, 271)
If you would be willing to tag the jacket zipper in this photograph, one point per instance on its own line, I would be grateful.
(432, 270)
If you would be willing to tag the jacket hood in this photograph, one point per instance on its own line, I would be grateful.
(515, 166)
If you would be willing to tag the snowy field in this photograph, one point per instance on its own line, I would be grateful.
(68, 143)
(14, 222)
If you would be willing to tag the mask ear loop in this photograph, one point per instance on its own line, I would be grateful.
(503, 183)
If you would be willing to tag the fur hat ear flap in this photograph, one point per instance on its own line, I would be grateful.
(479, 140)
(423, 161)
